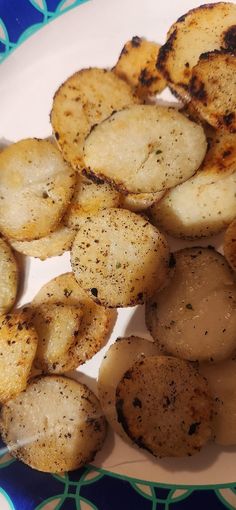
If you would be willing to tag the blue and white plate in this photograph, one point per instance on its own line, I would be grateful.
(42, 42)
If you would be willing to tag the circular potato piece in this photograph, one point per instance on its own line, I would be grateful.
(194, 316)
(120, 356)
(221, 378)
(90, 197)
(84, 99)
(205, 28)
(57, 326)
(8, 277)
(55, 425)
(96, 322)
(162, 149)
(119, 258)
(164, 406)
(137, 66)
(18, 344)
(36, 186)
(230, 245)
(138, 202)
(52, 245)
(213, 88)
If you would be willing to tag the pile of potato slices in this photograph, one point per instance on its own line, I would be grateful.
(119, 173)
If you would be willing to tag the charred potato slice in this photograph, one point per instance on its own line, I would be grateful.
(96, 323)
(138, 202)
(165, 407)
(194, 317)
(213, 89)
(85, 99)
(118, 257)
(18, 344)
(137, 66)
(8, 277)
(164, 148)
(36, 186)
(119, 357)
(230, 245)
(52, 245)
(205, 28)
(55, 425)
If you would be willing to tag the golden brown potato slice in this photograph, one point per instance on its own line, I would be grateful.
(205, 204)
(55, 425)
(230, 245)
(165, 407)
(162, 149)
(85, 99)
(52, 245)
(96, 322)
(137, 66)
(138, 202)
(90, 197)
(8, 277)
(18, 344)
(205, 28)
(118, 257)
(213, 89)
(221, 377)
(119, 357)
(36, 186)
(194, 316)
(58, 329)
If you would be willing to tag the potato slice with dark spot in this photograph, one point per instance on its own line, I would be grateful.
(119, 357)
(96, 322)
(52, 245)
(137, 66)
(18, 344)
(213, 89)
(230, 245)
(162, 149)
(138, 202)
(85, 99)
(194, 316)
(8, 277)
(118, 257)
(36, 186)
(165, 407)
(55, 425)
(205, 28)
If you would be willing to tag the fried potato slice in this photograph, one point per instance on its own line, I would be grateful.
(137, 66)
(90, 197)
(55, 425)
(194, 317)
(118, 359)
(18, 344)
(118, 257)
(52, 245)
(36, 186)
(230, 245)
(165, 407)
(213, 89)
(8, 277)
(220, 377)
(205, 28)
(96, 322)
(163, 148)
(205, 204)
(83, 100)
(58, 328)
(138, 202)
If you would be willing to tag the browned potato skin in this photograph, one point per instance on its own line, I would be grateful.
(8, 277)
(230, 245)
(165, 407)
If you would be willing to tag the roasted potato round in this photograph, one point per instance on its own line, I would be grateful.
(230, 245)
(55, 425)
(165, 407)
(194, 317)
(52, 245)
(120, 356)
(8, 277)
(138, 202)
(118, 257)
(162, 149)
